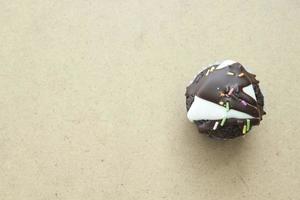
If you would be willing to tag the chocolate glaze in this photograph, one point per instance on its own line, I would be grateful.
(215, 85)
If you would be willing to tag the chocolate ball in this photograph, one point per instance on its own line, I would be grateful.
(225, 101)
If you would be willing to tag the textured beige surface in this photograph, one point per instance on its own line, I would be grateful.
(92, 99)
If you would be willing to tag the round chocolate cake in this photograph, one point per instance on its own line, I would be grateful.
(225, 100)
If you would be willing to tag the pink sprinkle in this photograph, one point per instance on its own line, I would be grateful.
(231, 91)
(244, 102)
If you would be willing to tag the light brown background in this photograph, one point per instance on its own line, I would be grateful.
(92, 99)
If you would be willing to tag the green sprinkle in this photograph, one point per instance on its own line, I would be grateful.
(244, 129)
(223, 121)
(248, 125)
(227, 106)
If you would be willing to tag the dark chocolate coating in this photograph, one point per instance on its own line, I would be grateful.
(215, 88)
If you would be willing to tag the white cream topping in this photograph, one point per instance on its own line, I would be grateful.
(226, 63)
(202, 109)
(250, 91)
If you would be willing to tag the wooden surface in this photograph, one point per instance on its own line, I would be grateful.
(92, 99)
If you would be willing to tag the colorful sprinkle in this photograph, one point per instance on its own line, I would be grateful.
(216, 125)
(248, 125)
(230, 73)
(223, 121)
(227, 106)
(222, 94)
(221, 103)
(207, 73)
(244, 102)
(231, 91)
(241, 74)
(244, 129)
